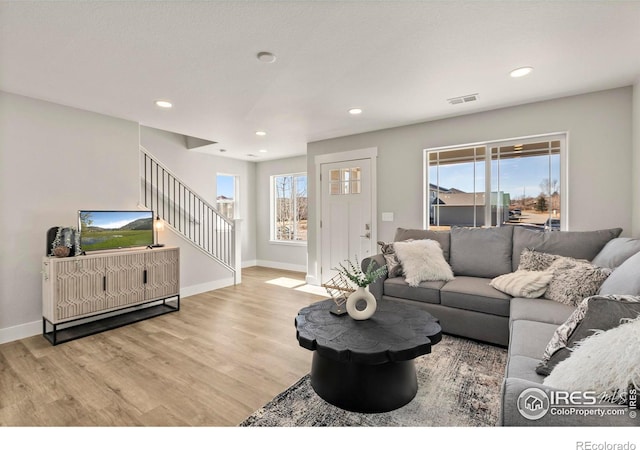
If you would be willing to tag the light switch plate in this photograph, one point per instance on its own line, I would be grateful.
(387, 217)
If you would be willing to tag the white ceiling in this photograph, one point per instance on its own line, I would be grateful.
(397, 60)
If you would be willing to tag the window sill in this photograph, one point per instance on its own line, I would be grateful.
(290, 243)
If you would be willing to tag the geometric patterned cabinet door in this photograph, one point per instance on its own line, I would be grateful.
(163, 273)
(88, 286)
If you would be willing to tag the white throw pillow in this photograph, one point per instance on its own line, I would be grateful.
(523, 283)
(605, 362)
(422, 260)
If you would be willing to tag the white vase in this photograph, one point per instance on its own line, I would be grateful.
(361, 293)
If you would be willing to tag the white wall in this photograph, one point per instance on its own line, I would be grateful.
(636, 160)
(274, 254)
(600, 158)
(54, 160)
(198, 170)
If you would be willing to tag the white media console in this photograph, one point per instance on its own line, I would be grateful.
(84, 295)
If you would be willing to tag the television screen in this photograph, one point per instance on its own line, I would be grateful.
(106, 230)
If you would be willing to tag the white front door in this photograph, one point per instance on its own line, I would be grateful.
(346, 220)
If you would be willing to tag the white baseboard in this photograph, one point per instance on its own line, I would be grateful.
(22, 331)
(281, 266)
(310, 279)
(205, 287)
(250, 263)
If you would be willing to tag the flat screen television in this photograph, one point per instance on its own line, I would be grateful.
(108, 230)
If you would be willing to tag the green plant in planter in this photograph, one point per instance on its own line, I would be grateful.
(355, 274)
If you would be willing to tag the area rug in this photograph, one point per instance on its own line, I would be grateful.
(458, 386)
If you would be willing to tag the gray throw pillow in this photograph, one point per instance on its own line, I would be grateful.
(481, 252)
(594, 313)
(616, 252)
(576, 244)
(394, 268)
(625, 280)
(574, 280)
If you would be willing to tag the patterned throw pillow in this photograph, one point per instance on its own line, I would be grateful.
(599, 312)
(394, 268)
(574, 280)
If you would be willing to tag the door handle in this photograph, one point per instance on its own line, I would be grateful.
(367, 235)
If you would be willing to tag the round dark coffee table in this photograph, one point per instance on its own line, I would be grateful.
(366, 365)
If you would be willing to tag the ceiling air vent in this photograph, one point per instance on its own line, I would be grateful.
(463, 99)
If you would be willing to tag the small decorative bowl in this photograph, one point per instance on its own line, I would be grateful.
(61, 252)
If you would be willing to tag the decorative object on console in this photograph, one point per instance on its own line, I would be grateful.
(158, 226)
(607, 362)
(64, 243)
(362, 280)
(594, 313)
(523, 283)
(422, 260)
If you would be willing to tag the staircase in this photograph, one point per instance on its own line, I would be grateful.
(188, 214)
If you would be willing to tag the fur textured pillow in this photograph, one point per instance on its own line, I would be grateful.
(422, 260)
(574, 280)
(607, 362)
(523, 283)
(538, 261)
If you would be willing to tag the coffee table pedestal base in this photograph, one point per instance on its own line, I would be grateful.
(364, 388)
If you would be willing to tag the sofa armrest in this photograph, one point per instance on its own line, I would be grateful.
(510, 415)
(377, 287)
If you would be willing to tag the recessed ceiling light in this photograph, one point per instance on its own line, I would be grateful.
(266, 57)
(163, 104)
(521, 72)
(262, 150)
(355, 111)
(261, 133)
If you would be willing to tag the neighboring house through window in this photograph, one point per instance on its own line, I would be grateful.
(226, 195)
(509, 182)
(289, 207)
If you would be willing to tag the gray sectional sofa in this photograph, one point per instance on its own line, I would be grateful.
(469, 306)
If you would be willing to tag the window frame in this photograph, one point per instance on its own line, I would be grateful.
(272, 209)
(562, 136)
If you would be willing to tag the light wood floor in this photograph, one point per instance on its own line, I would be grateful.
(221, 357)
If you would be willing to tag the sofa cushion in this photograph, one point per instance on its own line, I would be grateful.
(539, 310)
(475, 294)
(404, 234)
(594, 313)
(529, 338)
(427, 291)
(624, 280)
(481, 252)
(617, 251)
(576, 244)
(523, 367)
